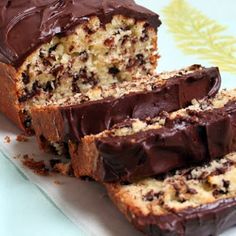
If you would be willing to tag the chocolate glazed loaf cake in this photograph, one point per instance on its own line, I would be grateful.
(136, 149)
(52, 49)
(100, 108)
(191, 202)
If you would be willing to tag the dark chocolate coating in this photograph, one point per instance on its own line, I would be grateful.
(176, 93)
(26, 24)
(206, 220)
(182, 142)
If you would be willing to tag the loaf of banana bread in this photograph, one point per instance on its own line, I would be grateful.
(55, 49)
(138, 148)
(198, 201)
(99, 109)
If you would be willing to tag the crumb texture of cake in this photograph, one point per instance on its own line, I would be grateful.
(72, 47)
(137, 148)
(83, 60)
(190, 202)
(38, 167)
(73, 118)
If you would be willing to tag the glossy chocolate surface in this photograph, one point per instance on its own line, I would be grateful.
(26, 24)
(206, 220)
(182, 142)
(177, 92)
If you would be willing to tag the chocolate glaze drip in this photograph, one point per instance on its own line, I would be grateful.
(26, 24)
(203, 137)
(206, 220)
(176, 93)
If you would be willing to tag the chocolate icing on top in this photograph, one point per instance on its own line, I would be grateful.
(181, 142)
(26, 24)
(208, 219)
(176, 93)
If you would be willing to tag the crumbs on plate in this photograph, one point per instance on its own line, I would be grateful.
(7, 139)
(38, 167)
(22, 138)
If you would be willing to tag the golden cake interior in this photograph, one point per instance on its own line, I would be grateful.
(93, 55)
(187, 188)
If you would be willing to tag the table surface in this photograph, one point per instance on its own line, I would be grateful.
(25, 209)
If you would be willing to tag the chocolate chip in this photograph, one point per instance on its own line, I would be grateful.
(228, 163)
(218, 192)
(84, 78)
(146, 25)
(191, 191)
(137, 61)
(93, 80)
(23, 98)
(46, 62)
(57, 70)
(125, 182)
(53, 48)
(181, 199)
(113, 71)
(71, 48)
(226, 183)
(126, 28)
(83, 74)
(150, 121)
(75, 88)
(109, 42)
(25, 78)
(140, 59)
(151, 196)
(52, 58)
(145, 36)
(131, 63)
(41, 54)
(27, 94)
(88, 30)
(50, 85)
(36, 86)
(83, 56)
(125, 39)
(219, 171)
(84, 98)
(54, 161)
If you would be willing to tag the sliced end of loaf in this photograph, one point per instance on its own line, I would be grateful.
(179, 203)
(93, 55)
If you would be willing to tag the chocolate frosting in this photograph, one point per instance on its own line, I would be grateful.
(26, 24)
(177, 92)
(206, 220)
(182, 142)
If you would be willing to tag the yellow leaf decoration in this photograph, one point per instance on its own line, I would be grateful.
(198, 35)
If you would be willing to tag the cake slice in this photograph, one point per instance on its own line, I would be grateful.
(138, 148)
(194, 201)
(53, 49)
(100, 108)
